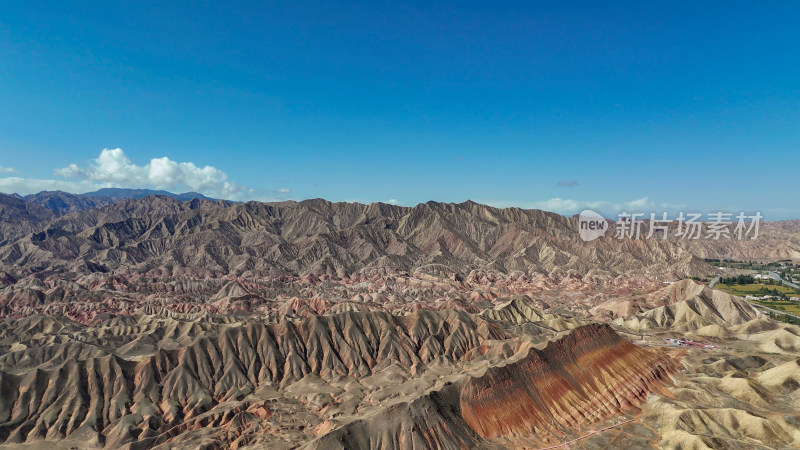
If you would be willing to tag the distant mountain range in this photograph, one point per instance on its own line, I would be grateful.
(121, 194)
(153, 323)
(50, 204)
(53, 232)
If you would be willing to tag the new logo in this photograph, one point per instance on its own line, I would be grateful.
(591, 225)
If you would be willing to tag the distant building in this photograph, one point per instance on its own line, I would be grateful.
(763, 297)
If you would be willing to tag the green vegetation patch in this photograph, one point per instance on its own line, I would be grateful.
(785, 318)
(758, 289)
(781, 305)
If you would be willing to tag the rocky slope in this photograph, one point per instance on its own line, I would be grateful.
(159, 323)
(319, 237)
(121, 397)
(55, 231)
(585, 377)
(352, 380)
(703, 307)
(510, 376)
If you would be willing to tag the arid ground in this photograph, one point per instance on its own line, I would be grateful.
(160, 323)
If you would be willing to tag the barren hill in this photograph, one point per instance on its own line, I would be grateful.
(318, 237)
(145, 381)
(160, 323)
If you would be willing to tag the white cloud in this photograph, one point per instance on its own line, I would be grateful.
(26, 186)
(571, 206)
(280, 194)
(392, 201)
(638, 203)
(674, 206)
(114, 168)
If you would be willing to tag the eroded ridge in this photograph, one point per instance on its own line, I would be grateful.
(113, 401)
(584, 377)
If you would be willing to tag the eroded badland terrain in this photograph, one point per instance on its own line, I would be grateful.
(157, 323)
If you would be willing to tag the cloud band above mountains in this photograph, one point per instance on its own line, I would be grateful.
(113, 168)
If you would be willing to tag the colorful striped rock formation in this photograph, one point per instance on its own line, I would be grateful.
(587, 376)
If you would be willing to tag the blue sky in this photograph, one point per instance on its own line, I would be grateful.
(677, 105)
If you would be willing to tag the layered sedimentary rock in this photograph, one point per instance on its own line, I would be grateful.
(430, 379)
(589, 375)
(318, 237)
(706, 307)
(80, 388)
(208, 324)
(56, 232)
(428, 422)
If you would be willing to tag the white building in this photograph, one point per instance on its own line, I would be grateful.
(763, 297)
